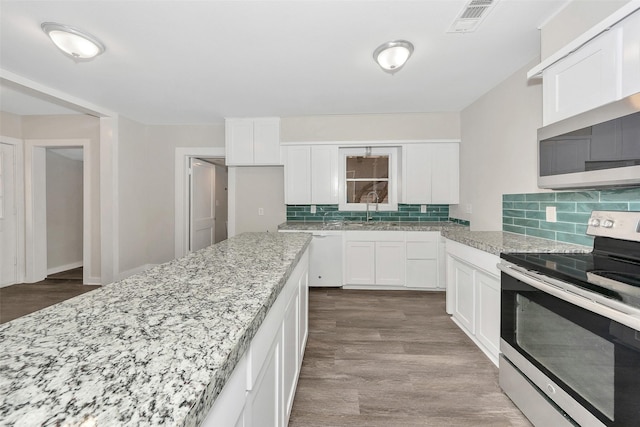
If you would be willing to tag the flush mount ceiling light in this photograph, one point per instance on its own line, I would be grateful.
(73, 42)
(392, 56)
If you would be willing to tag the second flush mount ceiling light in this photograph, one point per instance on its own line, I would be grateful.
(392, 56)
(77, 44)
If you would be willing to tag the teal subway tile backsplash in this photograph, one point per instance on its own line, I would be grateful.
(435, 213)
(526, 213)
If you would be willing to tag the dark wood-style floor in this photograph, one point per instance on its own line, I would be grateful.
(394, 358)
(22, 299)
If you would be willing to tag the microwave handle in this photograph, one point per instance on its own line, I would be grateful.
(533, 279)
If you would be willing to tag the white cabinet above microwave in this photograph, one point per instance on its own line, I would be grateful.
(599, 67)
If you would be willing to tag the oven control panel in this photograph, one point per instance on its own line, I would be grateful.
(615, 224)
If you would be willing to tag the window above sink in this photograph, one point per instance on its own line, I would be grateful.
(368, 178)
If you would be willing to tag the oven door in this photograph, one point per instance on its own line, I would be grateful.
(590, 363)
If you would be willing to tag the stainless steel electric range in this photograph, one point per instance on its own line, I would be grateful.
(570, 323)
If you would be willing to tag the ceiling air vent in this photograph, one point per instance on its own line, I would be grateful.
(471, 16)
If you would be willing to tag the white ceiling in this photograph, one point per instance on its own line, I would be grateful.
(193, 62)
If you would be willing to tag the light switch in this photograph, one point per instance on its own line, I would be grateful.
(260, 211)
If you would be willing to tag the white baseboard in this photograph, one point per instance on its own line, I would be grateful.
(66, 267)
(93, 281)
(128, 273)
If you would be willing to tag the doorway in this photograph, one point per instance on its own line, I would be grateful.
(64, 209)
(207, 202)
(183, 156)
(36, 208)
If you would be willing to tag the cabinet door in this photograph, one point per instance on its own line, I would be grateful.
(631, 55)
(359, 266)
(303, 320)
(445, 174)
(324, 175)
(488, 316)
(416, 174)
(290, 353)
(266, 141)
(390, 263)
(297, 175)
(265, 398)
(422, 273)
(586, 79)
(464, 303)
(239, 142)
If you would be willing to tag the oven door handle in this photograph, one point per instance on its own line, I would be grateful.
(628, 319)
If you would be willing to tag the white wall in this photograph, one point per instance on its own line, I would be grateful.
(134, 163)
(498, 149)
(370, 127)
(221, 205)
(146, 156)
(259, 187)
(577, 17)
(10, 125)
(64, 212)
(69, 127)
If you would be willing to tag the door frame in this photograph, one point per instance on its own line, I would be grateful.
(36, 208)
(181, 181)
(18, 146)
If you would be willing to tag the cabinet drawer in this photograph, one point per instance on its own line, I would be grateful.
(422, 250)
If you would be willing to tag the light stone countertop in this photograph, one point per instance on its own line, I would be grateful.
(493, 242)
(371, 226)
(496, 242)
(154, 349)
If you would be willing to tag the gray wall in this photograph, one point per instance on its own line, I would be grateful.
(64, 211)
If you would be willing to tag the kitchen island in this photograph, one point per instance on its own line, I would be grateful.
(154, 349)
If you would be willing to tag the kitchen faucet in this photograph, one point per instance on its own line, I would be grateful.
(377, 203)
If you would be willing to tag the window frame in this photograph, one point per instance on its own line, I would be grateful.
(392, 198)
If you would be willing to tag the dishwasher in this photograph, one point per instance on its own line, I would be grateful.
(325, 266)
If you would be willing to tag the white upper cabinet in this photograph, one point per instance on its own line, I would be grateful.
(252, 141)
(297, 175)
(324, 175)
(598, 67)
(311, 174)
(430, 173)
(584, 80)
(631, 54)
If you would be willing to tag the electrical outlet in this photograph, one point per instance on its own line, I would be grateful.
(551, 214)
(468, 208)
(423, 208)
(313, 209)
(260, 211)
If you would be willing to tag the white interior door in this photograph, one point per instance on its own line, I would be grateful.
(202, 205)
(8, 217)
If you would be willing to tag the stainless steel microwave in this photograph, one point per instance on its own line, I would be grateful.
(598, 148)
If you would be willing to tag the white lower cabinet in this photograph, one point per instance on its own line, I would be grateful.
(488, 311)
(423, 253)
(261, 388)
(374, 258)
(473, 295)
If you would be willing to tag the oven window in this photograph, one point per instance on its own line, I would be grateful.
(584, 360)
